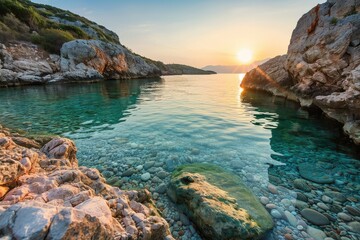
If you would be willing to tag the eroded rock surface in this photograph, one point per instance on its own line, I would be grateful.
(218, 203)
(45, 195)
(322, 64)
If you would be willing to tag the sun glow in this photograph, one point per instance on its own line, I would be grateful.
(245, 56)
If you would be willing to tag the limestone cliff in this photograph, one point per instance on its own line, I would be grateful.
(321, 67)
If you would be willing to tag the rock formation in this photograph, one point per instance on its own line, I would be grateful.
(218, 203)
(45, 195)
(38, 45)
(321, 67)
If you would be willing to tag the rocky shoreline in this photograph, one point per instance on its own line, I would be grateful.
(321, 68)
(67, 200)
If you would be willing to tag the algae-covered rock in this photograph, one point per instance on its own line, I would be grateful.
(218, 203)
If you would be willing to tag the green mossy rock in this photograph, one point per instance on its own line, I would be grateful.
(218, 203)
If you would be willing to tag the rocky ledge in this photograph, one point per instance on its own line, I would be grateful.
(321, 67)
(46, 195)
(79, 60)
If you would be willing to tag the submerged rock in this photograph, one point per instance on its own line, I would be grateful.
(315, 217)
(315, 174)
(219, 204)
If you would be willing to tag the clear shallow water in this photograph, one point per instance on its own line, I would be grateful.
(121, 125)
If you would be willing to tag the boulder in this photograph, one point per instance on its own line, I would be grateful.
(270, 77)
(219, 204)
(91, 59)
(61, 148)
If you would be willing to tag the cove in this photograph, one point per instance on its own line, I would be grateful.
(128, 128)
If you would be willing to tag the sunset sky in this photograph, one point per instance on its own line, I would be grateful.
(196, 32)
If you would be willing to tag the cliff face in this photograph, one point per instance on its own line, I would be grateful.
(321, 67)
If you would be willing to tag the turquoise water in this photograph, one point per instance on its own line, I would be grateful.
(175, 120)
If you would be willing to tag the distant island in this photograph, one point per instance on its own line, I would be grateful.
(234, 68)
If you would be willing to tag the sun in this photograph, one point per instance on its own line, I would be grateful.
(245, 56)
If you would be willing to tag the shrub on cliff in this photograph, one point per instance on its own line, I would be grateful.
(52, 39)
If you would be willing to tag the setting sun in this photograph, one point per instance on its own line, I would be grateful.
(245, 56)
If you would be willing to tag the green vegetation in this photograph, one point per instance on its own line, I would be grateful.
(334, 21)
(28, 21)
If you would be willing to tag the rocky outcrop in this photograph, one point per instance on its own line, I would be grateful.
(45, 195)
(80, 60)
(321, 67)
(96, 59)
(218, 203)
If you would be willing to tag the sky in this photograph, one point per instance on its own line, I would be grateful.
(196, 32)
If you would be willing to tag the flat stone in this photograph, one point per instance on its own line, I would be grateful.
(302, 185)
(314, 217)
(316, 233)
(353, 210)
(322, 206)
(291, 218)
(344, 216)
(337, 196)
(315, 174)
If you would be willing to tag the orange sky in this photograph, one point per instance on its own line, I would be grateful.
(196, 32)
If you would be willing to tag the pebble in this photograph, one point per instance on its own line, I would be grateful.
(272, 189)
(184, 219)
(276, 214)
(271, 206)
(264, 200)
(353, 210)
(301, 205)
(145, 176)
(161, 188)
(128, 172)
(140, 167)
(302, 185)
(149, 164)
(286, 202)
(323, 206)
(326, 199)
(355, 226)
(288, 236)
(162, 174)
(314, 217)
(301, 197)
(335, 208)
(344, 216)
(316, 233)
(291, 218)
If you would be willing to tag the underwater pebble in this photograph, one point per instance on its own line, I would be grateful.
(145, 176)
